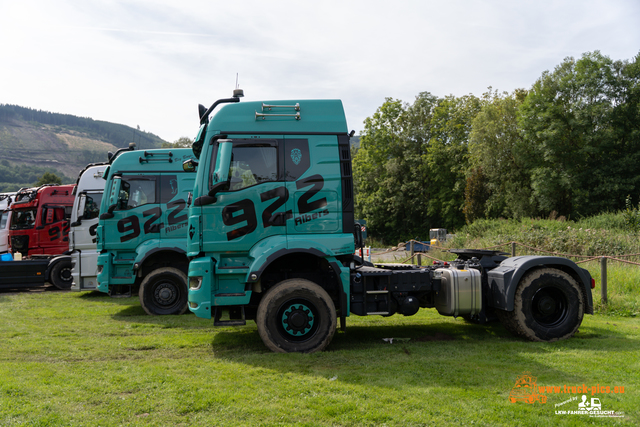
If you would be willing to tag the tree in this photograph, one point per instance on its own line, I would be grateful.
(409, 170)
(498, 180)
(182, 142)
(48, 178)
(582, 122)
(448, 158)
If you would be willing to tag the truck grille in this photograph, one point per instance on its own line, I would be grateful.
(20, 244)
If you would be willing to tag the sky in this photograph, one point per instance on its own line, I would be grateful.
(149, 63)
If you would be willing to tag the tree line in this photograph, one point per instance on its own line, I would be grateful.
(116, 134)
(569, 146)
(14, 177)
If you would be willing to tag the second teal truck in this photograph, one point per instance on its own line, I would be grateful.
(272, 234)
(142, 230)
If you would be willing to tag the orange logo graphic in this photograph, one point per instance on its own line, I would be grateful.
(526, 390)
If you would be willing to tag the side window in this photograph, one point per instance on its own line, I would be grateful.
(136, 191)
(3, 220)
(251, 165)
(168, 188)
(92, 206)
(52, 215)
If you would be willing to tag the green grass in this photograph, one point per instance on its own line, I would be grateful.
(85, 359)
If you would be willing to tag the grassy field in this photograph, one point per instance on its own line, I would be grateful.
(84, 359)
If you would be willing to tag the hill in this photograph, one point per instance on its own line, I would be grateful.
(62, 143)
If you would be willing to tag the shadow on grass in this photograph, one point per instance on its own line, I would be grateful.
(94, 294)
(437, 353)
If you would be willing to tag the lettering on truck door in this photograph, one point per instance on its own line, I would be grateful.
(137, 213)
(253, 208)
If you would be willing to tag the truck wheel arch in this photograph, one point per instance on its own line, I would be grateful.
(175, 256)
(504, 280)
(341, 302)
(54, 268)
(549, 306)
(256, 273)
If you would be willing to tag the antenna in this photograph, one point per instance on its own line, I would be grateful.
(237, 93)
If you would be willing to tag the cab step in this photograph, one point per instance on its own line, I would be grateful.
(235, 316)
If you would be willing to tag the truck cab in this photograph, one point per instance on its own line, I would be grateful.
(273, 202)
(142, 229)
(40, 220)
(5, 219)
(39, 227)
(84, 222)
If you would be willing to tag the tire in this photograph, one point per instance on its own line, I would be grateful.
(60, 275)
(548, 306)
(164, 291)
(296, 315)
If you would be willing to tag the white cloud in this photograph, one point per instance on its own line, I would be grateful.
(150, 63)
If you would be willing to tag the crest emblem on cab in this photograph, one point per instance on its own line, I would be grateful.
(296, 155)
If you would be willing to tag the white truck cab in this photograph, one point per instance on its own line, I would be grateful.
(5, 219)
(84, 221)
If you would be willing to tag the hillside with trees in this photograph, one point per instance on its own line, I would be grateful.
(568, 147)
(33, 142)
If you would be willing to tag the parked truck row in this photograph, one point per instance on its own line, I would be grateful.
(256, 222)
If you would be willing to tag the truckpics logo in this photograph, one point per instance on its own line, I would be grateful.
(526, 390)
(296, 156)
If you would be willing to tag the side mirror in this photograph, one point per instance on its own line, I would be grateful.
(114, 196)
(189, 165)
(223, 161)
(217, 187)
(211, 196)
(82, 201)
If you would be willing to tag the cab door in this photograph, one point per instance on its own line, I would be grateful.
(53, 233)
(174, 191)
(137, 214)
(313, 180)
(252, 208)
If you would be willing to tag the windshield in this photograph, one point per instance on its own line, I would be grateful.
(23, 219)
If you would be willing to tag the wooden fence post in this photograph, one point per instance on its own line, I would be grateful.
(411, 247)
(419, 260)
(513, 248)
(603, 279)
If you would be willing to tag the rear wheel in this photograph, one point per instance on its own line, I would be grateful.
(548, 306)
(296, 315)
(164, 291)
(61, 275)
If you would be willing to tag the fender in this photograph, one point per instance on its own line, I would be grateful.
(261, 262)
(270, 249)
(503, 280)
(151, 247)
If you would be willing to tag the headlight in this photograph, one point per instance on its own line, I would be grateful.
(195, 283)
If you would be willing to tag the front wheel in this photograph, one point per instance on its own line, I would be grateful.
(164, 291)
(296, 315)
(548, 306)
(61, 276)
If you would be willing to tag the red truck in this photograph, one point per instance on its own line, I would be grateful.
(39, 228)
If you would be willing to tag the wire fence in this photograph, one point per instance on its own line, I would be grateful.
(513, 246)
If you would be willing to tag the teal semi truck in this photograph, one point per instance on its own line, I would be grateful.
(142, 228)
(271, 238)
